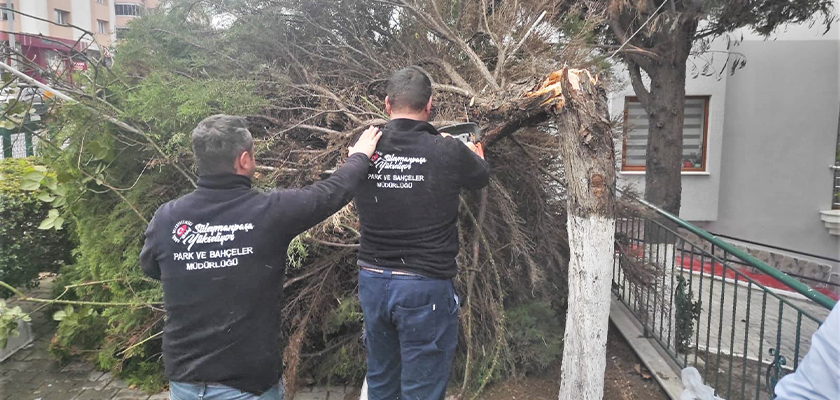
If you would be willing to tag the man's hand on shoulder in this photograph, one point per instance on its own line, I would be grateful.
(367, 142)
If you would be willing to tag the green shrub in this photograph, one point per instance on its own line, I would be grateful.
(345, 360)
(80, 331)
(26, 250)
(534, 335)
(687, 311)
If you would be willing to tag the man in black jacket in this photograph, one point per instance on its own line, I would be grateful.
(408, 208)
(220, 253)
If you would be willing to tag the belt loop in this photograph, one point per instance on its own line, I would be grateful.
(201, 391)
(387, 273)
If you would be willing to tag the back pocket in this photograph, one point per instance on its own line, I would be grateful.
(417, 325)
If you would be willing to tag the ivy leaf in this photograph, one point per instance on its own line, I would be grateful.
(47, 223)
(53, 220)
(34, 176)
(98, 150)
(51, 183)
(59, 315)
(46, 197)
(64, 177)
(30, 185)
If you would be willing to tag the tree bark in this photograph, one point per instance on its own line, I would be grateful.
(665, 108)
(579, 107)
(661, 51)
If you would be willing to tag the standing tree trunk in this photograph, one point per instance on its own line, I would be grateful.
(664, 102)
(663, 166)
(579, 107)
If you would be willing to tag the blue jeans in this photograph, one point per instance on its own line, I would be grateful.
(411, 331)
(215, 391)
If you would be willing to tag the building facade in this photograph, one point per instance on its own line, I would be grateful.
(49, 45)
(761, 147)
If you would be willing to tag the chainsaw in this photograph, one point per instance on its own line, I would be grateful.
(466, 132)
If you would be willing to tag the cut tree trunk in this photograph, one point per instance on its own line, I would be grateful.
(579, 107)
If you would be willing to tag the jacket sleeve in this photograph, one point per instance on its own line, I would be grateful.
(148, 256)
(304, 208)
(474, 171)
(818, 375)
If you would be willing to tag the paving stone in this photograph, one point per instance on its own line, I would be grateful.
(23, 366)
(39, 353)
(20, 376)
(17, 388)
(51, 376)
(89, 380)
(21, 354)
(57, 390)
(315, 395)
(117, 384)
(336, 389)
(48, 396)
(106, 377)
(160, 396)
(43, 331)
(96, 394)
(128, 394)
(78, 367)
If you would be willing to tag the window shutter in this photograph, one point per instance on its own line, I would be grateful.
(694, 134)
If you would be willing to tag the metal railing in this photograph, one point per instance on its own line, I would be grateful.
(740, 322)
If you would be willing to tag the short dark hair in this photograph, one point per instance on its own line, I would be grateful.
(409, 89)
(217, 141)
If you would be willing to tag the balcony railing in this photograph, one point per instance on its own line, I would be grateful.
(703, 302)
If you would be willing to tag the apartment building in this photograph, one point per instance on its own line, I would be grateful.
(50, 45)
(126, 10)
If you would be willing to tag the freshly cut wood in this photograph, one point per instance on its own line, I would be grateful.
(578, 104)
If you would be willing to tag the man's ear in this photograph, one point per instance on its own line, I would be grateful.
(387, 105)
(244, 163)
(428, 109)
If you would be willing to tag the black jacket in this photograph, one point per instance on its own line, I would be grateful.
(220, 253)
(408, 205)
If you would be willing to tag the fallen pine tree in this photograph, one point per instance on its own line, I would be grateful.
(309, 74)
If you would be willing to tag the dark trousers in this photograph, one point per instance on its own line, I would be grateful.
(411, 327)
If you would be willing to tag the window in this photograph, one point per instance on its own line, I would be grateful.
(101, 26)
(127, 9)
(17, 145)
(101, 1)
(62, 17)
(121, 31)
(8, 14)
(695, 129)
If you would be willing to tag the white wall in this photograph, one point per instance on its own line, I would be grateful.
(39, 8)
(80, 15)
(112, 17)
(781, 136)
(700, 190)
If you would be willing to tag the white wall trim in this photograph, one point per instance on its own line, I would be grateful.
(683, 173)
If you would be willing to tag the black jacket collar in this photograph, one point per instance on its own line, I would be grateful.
(410, 125)
(224, 181)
